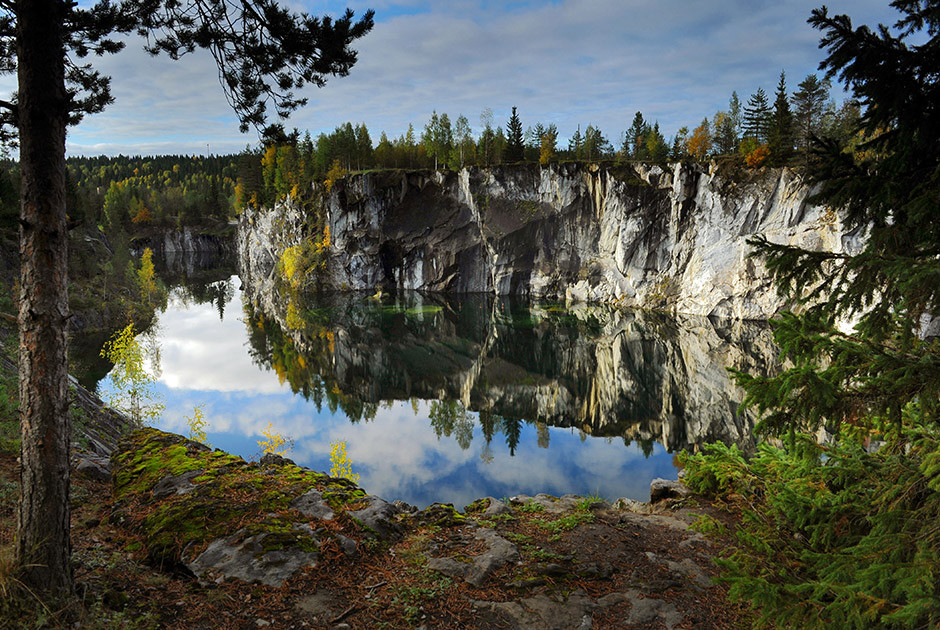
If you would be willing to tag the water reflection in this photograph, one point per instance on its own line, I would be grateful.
(641, 376)
(445, 399)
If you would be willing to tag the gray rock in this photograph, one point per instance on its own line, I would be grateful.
(273, 459)
(322, 603)
(97, 468)
(499, 552)
(674, 238)
(496, 508)
(312, 505)
(645, 610)
(179, 484)
(686, 570)
(671, 237)
(667, 489)
(378, 518)
(544, 612)
(548, 503)
(404, 508)
(624, 504)
(247, 560)
(349, 546)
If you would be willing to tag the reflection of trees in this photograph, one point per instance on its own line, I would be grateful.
(307, 372)
(218, 292)
(200, 277)
(450, 417)
(643, 377)
(512, 429)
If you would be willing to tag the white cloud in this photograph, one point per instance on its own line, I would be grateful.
(570, 62)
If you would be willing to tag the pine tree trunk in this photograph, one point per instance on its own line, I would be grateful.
(43, 548)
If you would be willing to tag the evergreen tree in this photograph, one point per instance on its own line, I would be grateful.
(843, 537)
(575, 143)
(679, 141)
(385, 155)
(634, 144)
(364, 149)
(809, 103)
(890, 185)
(515, 148)
(595, 146)
(725, 140)
(444, 139)
(727, 127)
(780, 135)
(757, 113)
(656, 147)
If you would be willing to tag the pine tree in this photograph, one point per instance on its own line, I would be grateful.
(515, 148)
(634, 144)
(889, 186)
(656, 147)
(575, 143)
(809, 103)
(595, 146)
(835, 535)
(780, 134)
(264, 54)
(757, 116)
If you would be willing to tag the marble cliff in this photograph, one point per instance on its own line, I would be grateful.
(638, 235)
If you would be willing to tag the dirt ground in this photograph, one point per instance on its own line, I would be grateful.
(598, 567)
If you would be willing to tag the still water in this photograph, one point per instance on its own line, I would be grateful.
(452, 399)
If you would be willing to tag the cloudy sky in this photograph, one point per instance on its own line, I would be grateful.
(567, 62)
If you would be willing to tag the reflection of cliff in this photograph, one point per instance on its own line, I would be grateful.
(606, 371)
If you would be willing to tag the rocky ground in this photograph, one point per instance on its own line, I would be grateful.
(182, 537)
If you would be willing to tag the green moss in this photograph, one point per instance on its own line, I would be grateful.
(439, 515)
(477, 506)
(531, 506)
(567, 522)
(228, 495)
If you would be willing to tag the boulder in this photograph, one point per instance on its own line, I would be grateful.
(661, 489)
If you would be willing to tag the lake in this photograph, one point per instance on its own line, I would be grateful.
(452, 399)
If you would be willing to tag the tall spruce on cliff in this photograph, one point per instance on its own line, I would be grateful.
(889, 185)
(515, 147)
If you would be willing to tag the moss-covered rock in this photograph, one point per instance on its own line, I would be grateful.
(220, 515)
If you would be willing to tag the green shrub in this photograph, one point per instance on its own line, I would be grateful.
(832, 537)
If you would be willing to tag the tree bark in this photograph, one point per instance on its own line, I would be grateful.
(43, 548)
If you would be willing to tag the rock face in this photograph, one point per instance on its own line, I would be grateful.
(185, 251)
(638, 235)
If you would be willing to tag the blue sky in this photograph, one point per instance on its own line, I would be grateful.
(568, 62)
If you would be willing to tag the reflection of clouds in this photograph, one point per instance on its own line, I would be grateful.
(198, 350)
(399, 457)
(392, 451)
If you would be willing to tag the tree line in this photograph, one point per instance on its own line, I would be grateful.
(757, 133)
